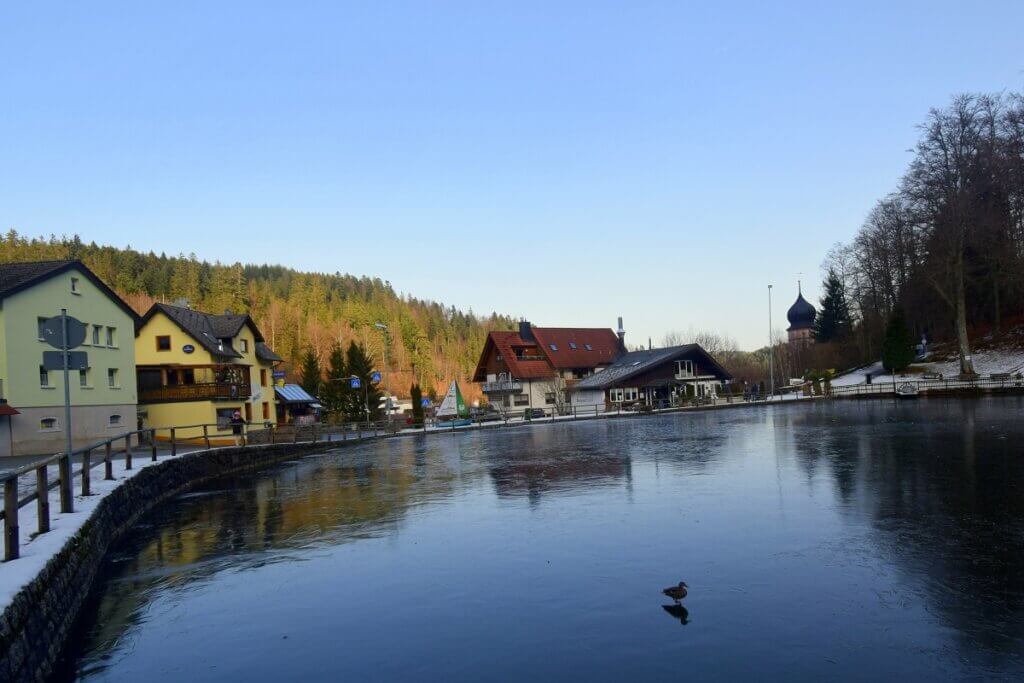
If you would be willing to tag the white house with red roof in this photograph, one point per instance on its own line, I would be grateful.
(534, 366)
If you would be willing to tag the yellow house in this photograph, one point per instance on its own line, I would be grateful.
(199, 368)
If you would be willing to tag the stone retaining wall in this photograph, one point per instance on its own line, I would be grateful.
(34, 627)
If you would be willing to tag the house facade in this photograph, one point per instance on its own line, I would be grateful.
(103, 395)
(199, 368)
(534, 367)
(654, 377)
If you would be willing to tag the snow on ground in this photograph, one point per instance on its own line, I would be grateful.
(986, 363)
(38, 550)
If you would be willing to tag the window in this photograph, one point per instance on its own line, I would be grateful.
(522, 400)
(266, 410)
(549, 398)
(244, 345)
(48, 424)
(554, 347)
(112, 378)
(39, 329)
(74, 286)
(163, 342)
(621, 395)
(588, 347)
(572, 345)
(684, 368)
(111, 337)
(263, 379)
(96, 334)
(115, 420)
(248, 412)
(44, 378)
(224, 417)
(83, 377)
(499, 357)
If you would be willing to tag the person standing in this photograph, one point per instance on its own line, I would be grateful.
(236, 427)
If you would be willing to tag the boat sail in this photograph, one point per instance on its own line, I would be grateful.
(453, 406)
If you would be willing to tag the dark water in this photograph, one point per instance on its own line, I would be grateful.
(847, 540)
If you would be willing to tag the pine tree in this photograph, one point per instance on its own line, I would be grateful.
(898, 347)
(336, 388)
(417, 405)
(833, 322)
(312, 378)
(367, 396)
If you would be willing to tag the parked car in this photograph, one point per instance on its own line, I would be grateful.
(533, 414)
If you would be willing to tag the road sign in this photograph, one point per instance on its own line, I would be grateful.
(188, 348)
(425, 402)
(54, 360)
(52, 332)
(356, 383)
(279, 374)
(375, 377)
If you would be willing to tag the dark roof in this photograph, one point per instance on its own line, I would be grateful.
(636, 362)
(801, 314)
(212, 331)
(264, 352)
(16, 277)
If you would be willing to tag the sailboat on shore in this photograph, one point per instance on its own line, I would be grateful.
(453, 411)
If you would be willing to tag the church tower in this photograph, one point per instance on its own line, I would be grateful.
(801, 317)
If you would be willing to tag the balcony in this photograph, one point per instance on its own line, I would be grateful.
(503, 387)
(178, 383)
(210, 391)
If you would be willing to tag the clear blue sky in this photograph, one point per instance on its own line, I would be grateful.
(568, 162)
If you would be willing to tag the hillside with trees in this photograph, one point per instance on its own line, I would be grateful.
(943, 254)
(298, 312)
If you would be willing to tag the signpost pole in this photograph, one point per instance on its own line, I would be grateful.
(66, 501)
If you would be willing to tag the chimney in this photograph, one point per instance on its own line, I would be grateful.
(622, 337)
(525, 331)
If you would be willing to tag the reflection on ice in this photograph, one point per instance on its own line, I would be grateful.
(862, 539)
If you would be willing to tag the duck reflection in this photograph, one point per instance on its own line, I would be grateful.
(678, 612)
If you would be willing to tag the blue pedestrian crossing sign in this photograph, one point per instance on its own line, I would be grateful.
(356, 383)
(375, 377)
(425, 402)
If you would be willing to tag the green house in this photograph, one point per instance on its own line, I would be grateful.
(103, 396)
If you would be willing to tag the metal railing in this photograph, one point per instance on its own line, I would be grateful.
(999, 382)
(205, 435)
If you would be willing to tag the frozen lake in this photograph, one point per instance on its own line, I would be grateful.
(851, 540)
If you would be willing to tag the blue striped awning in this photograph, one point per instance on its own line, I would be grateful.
(293, 393)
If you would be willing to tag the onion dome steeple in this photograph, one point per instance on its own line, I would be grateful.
(801, 314)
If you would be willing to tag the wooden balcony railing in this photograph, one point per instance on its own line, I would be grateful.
(195, 392)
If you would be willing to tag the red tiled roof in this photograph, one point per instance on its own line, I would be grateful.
(521, 369)
(604, 346)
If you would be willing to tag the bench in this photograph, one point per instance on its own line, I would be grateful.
(932, 375)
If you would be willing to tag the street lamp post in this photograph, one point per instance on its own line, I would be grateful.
(771, 346)
(387, 383)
